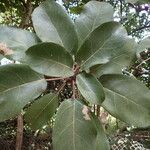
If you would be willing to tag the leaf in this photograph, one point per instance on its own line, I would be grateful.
(94, 14)
(50, 59)
(90, 88)
(127, 99)
(115, 66)
(144, 44)
(18, 85)
(80, 133)
(17, 40)
(40, 112)
(108, 43)
(52, 24)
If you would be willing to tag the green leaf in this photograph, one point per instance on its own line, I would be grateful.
(40, 112)
(18, 85)
(52, 24)
(17, 40)
(115, 66)
(127, 99)
(94, 14)
(81, 129)
(143, 45)
(90, 88)
(50, 59)
(108, 43)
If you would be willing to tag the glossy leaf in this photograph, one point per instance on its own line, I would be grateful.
(50, 59)
(90, 88)
(127, 99)
(109, 42)
(52, 24)
(18, 85)
(75, 123)
(94, 14)
(17, 40)
(41, 111)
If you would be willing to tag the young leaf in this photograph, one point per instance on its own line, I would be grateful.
(94, 14)
(40, 112)
(50, 59)
(109, 42)
(52, 24)
(18, 85)
(17, 40)
(90, 88)
(75, 123)
(127, 99)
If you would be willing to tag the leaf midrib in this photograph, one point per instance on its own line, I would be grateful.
(12, 88)
(87, 85)
(54, 61)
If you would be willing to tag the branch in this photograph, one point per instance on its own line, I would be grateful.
(27, 15)
(121, 9)
(19, 137)
(73, 89)
(142, 62)
(140, 28)
(55, 79)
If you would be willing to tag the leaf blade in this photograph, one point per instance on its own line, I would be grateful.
(81, 133)
(124, 103)
(40, 112)
(50, 59)
(93, 14)
(52, 24)
(17, 40)
(18, 85)
(90, 88)
(106, 43)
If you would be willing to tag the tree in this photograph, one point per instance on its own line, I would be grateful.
(88, 55)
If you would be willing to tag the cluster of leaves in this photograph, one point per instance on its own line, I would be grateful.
(90, 55)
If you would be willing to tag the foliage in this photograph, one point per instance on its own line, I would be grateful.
(88, 63)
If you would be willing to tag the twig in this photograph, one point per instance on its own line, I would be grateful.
(138, 29)
(54, 79)
(98, 110)
(61, 87)
(19, 138)
(121, 9)
(73, 89)
(142, 62)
